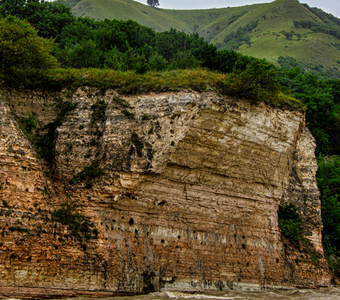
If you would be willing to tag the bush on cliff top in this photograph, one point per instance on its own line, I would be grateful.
(24, 56)
(260, 88)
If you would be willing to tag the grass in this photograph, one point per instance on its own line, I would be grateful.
(158, 19)
(214, 25)
(132, 83)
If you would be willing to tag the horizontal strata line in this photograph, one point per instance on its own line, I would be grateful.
(235, 138)
(207, 170)
(265, 132)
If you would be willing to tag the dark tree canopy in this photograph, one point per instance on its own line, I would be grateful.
(153, 3)
(24, 56)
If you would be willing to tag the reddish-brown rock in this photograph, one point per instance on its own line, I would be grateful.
(194, 208)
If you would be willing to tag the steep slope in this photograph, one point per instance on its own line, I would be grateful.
(158, 19)
(186, 197)
(267, 40)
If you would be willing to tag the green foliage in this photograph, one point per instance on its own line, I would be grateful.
(235, 17)
(322, 113)
(153, 3)
(325, 17)
(288, 35)
(329, 28)
(289, 62)
(128, 114)
(44, 138)
(328, 178)
(110, 44)
(237, 38)
(258, 82)
(137, 143)
(70, 213)
(98, 112)
(88, 174)
(158, 63)
(198, 80)
(290, 223)
(29, 123)
(24, 56)
(172, 42)
(184, 60)
(84, 54)
(48, 18)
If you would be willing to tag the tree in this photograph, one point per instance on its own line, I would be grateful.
(153, 3)
(49, 18)
(24, 56)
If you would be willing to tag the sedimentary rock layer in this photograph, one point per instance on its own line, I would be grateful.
(188, 199)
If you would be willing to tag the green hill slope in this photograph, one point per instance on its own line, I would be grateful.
(271, 27)
(157, 19)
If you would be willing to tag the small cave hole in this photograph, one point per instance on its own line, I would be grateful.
(247, 264)
(131, 221)
(277, 260)
(113, 220)
(243, 237)
(136, 231)
(162, 241)
(243, 246)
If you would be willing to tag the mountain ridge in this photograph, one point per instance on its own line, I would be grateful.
(312, 50)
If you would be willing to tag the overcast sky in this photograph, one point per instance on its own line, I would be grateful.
(330, 6)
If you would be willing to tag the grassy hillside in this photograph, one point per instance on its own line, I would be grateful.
(314, 50)
(157, 19)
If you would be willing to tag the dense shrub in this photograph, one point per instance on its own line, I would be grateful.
(70, 214)
(290, 223)
(24, 56)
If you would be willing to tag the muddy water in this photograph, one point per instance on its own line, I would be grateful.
(319, 294)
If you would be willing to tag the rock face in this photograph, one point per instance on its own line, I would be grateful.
(188, 199)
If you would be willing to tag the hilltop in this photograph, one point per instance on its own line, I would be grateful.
(261, 30)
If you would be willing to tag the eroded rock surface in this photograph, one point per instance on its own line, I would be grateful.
(188, 200)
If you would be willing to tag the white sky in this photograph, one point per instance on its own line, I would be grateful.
(329, 6)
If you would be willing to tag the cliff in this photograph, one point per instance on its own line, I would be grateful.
(181, 190)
